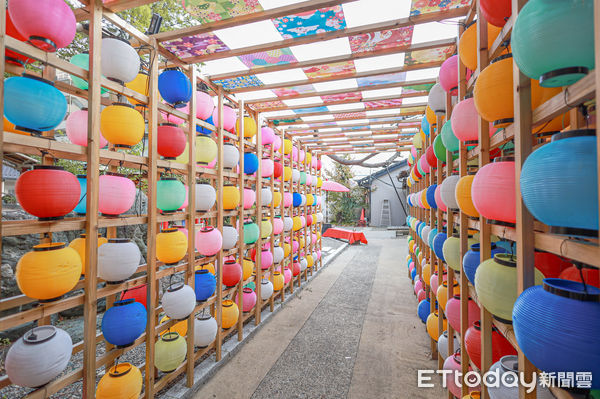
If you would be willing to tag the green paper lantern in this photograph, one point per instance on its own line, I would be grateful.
(420, 169)
(170, 194)
(251, 285)
(251, 232)
(553, 41)
(169, 351)
(451, 251)
(83, 61)
(448, 138)
(302, 177)
(438, 149)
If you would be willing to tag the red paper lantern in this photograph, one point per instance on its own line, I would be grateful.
(11, 56)
(232, 273)
(277, 169)
(421, 295)
(319, 164)
(500, 345)
(416, 172)
(496, 12)
(136, 293)
(48, 192)
(295, 268)
(430, 157)
(591, 275)
(493, 190)
(551, 265)
(171, 140)
(453, 312)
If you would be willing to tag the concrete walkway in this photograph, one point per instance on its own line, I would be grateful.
(352, 333)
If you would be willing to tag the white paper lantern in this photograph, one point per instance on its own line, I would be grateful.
(39, 356)
(508, 370)
(295, 175)
(120, 61)
(266, 196)
(288, 223)
(179, 301)
(278, 254)
(266, 289)
(443, 344)
(319, 217)
(231, 156)
(303, 264)
(118, 260)
(425, 234)
(437, 99)
(206, 196)
(308, 239)
(303, 198)
(315, 256)
(205, 331)
(447, 191)
(303, 220)
(230, 237)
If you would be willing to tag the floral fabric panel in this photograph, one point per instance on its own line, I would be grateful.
(267, 58)
(383, 103)
(334, 98)
(408, 110)
(426, 6)
(381, 79)
(311, 22)
(310, 110)
(322, 124)
(328, 70)
(350, 115)
(372, 41)
(207, 11)
(192, 46)
(240, 82)
(417, 88)
(431, 55)
(290, 119)
(268, 104)
(293, 90)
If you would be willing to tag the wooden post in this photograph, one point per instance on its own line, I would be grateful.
(240, 285)
(449, 224)
(259, 215)
(219, 258)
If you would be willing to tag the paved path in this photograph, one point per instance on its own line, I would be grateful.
(352, 333)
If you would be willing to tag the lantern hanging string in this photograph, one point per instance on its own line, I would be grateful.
(579, 267)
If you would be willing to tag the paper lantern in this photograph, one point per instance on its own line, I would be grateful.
(267, 135)
(442, 293)
(231, 156)
(38, 357)
(496, 12)
(554, 59)
(465, 122)
(204, 284)
(277, 170)
(453, 312)
(175, 87)
(449, 75)
(276, 199)
(206, 197)
(287, 146)
(507, 369)
(170, 194)
(139, 84)
(123, 323)
(250, 128)
(277, 225)
(230, 237)
(116, 194)
(496, 285)
(442, 345)
(277, 280)
(229, 313)
(453, 363)
(493, 190)
(76, 128)
(266, 289)
(432, 325)
(248, 299)
(247, 268)
(206, 150)
(438, 244)
(171, 246)
(266, 166)
(266, 228)
(118, 260)
(540, 333)
(169, 352)
(467, 45)
(288, 223)
(120, 62)
(437, 99)
(447, 191)
(591, 275)
(208, 241)
(500, 345)
(13, 57)
(232, 273)
(550, 179)
(463, 196)
(229, 117)
(78, 245)
(205, 330)
(231, 197)
(171, 140)
(249, 198)
(179, 301)
(121, 124)
(250, 163)
(451, 251)
(122, 380)
(266, 196)
(471, 260)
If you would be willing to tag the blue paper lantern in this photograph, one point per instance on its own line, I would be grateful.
(203, 130)
(557, 325)
(81, 207)
(423, 309)
(123, 323)
(471, 260)
(409, 203)
(559, 183)
(432, 235)
(296, 199)
(425, 126)
(430, 195)
(33, 104)
(174, 87)
(205, 284)
(250, 163)
(420, 228)
(413, 274)
(438, 243)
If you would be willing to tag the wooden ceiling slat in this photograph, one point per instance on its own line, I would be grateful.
(350, 111)
(395, 115)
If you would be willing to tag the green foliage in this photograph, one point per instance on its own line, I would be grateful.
(344, 208)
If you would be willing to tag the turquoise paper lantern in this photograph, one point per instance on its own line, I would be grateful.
(170, 194)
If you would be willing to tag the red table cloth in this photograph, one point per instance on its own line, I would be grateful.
(350, 235)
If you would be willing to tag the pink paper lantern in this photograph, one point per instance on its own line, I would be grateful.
(319, 254)
(413, 151)
(116, 194)
(172, 118)
(453, 363)
(228, 117)
(301, 156)
(309, 179)
(314, 163)
(418, 286)
(277, 226)
(77, 128)
(313, 238)
(210, 165)
(204, 105)
(248, 299)
(449, 75)
(421, 295)
(288, 199)
(438, 198)
(295, 154)
(249, 198)
(182, 229)
(208, 241)
(434, 281)
(465, 120)
(453, 312)
(295, 246)
(318, 200)
(287, 275)
(267, 135)
(424, 164)
(493, 190)
(267, 167)
(276, 143)
(303, 220)
(266, 259)
(187, 198)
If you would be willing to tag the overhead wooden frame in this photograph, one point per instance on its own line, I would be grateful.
(399, 118)
(354, 110)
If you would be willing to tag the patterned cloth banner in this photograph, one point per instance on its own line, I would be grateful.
(372, 41)
(426, 6)
(311, 22)
(191, 46)
(240, 82)
(207, 11)
(327, 70)
(267, 58)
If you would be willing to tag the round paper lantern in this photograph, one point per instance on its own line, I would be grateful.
(453, 312)
(266, 289)
(437, 99)
(432, 325)
(471, 260)
(76, 128)
(266, 196)
(231, 197)
(277, 169)
(295, 175)
(442, 293)
(278, 281)
(247, 268)
(171, 246)
(13, 57)
(447, 137)
(229, 313)
(208, 241)
(421, 295)
(179, 301)
(500, 345)
(287, 275)
(465, 122)
(78, 245)
(232, 273)
(47, 26)
(250, 128)
(121, 124)
(463, 196)
(496, 12)
(169, 352)
(447, 191)
(230, 237)
(266, 166)
(116, 194)
(251, 232)
(48, 271)
(122, 380)
(205, 330)
(442, 345)
(467, 45)
(206, 150)
(267, 135)
(48, 192)
(118, 260)
(591, 275)
(170, 140)
(206, 197)
(507, 368)
(453, 363)
(430, 195)
(493, 190)
(540, 332)
(449, 75)
(175, 87)
(554, 59)
(229, 117)
(266, 228)
(277, 225)
(204, 284)
(170, 194)
(120, 62)
(438, 244)
(423, 310)
(438, 198)
(124, 322)
(288, 223)
(248, 299)
(451, 251)
(139, 84)
(250, 163)
(278, 254)
(550, 179)
(430, 157)
(276, 199)
(432, 120)
(297, 223)
(39, 356)
(231, 156)
(496, 285)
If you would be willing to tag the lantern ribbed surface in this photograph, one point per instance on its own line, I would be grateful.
(171, 246)
(449, 75)
(500, 345)
(438, 244)
(208, 241)
(122, 380)
(170, 194)
(179, 301)
(423, 310)
(204, 284)
(453, 312)
(205, 330)
(206, 197)
(118, 260)
(230, 314)
(508, 368)
(78, 245)
(463, 195)
(448, 189)
(442, 345)
(493, 190)
(471, 260)
(557, 324)
(122, 125)
(169, 352)
(591, 275)
(124, 322)
(467, 45)
(170, 141)
(116, 194)
(231, 197)
(174, 87)
(496, 12)
(229, 117)
(432, 325)
(119, 61)
(451, 251)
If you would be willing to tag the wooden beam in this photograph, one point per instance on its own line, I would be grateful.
(401, 124)
(353, 118)
(350, 110)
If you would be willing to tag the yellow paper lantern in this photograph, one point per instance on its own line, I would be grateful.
(297, 223)
(179, 327)
(424, 199)
(249, 127)
(231, 197)
(287, 146)
(209, 266)
(123, 381)
(122, 125)
(276, 199)
(287, 249)
(247, 268)
(319, 182)
(463, 196)
(309, 261)
(307, 158)
(206, 150)
(287, 173)
(78, 245)
(266, 228)
(442, 294)
(416, 140)
(426, 272)
(139, 84)
(431, 117)
(230, 314)
(169, 352)
(277, 280)
(171, 246)
(318, 235)
(302, 242)
(432, 325)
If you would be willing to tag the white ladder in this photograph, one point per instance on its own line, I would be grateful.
(386, 213)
